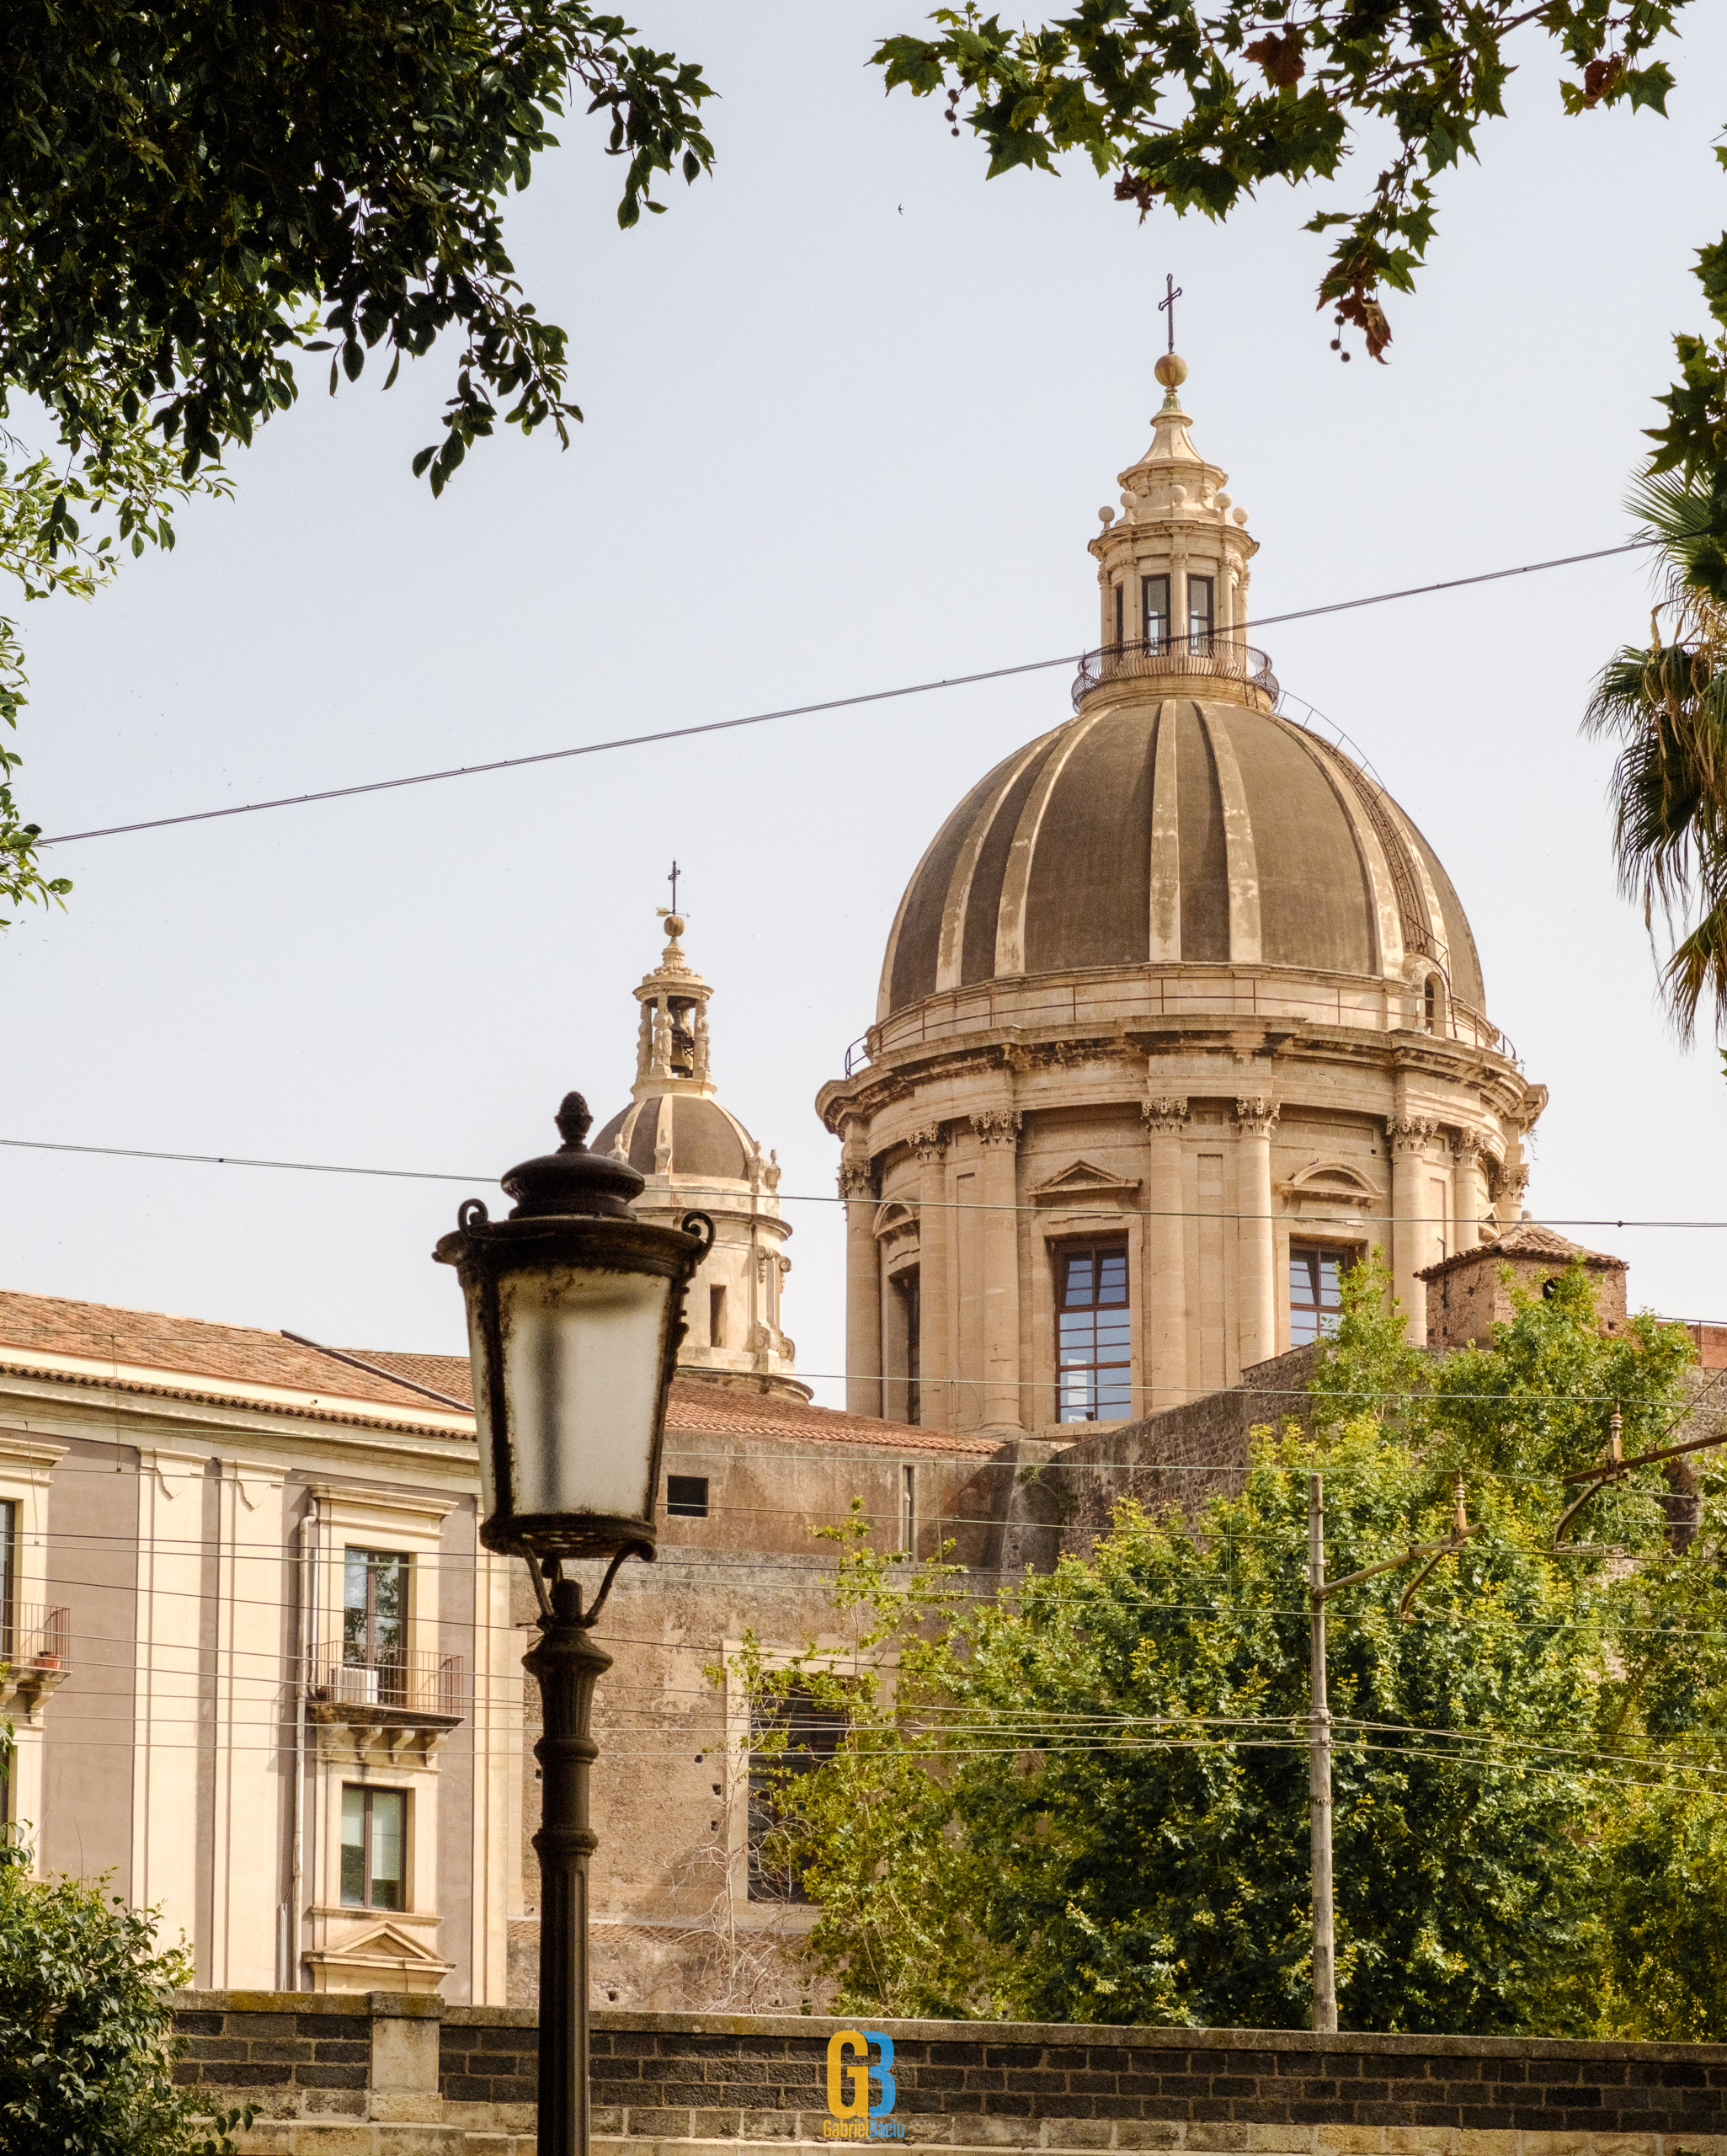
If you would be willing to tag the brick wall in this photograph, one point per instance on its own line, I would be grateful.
(390, 2075)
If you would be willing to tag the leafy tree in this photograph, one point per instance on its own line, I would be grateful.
(197, 192)
(1196, 107)
(1085, 1797)
(86, 2028)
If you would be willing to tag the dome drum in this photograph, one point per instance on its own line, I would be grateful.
(1190, 666)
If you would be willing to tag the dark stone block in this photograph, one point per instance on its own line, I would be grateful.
(1675, 2075)
(984, 2078)
(464, 2089)
(691, 2095)
(215, 2047)
(1575, 2099)
(1208, 2107)
(1013, 2055)
(288, 2050)
(1007, 2107)
(1551, 2070)
(1262, 2065)
(932, 2079)
(956, 2054)
(198, 2025)
(528, 2040)
(342, 2054)
(1381, 2115)
(256, 2074)
(1038, 2082)
(1066, 2058)
(332, 2077)
(1308, 2112)
(1434, 2115)
(326, 2028)
(1092, 2084)
(1234, 2084)
(1260, 2112)
(1117, 2107)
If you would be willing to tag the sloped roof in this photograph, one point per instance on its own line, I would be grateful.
(1526, 1239)
(110, 1339)
(156, 1351)
(698, 1408)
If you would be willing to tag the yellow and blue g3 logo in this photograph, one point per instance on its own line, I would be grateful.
(851, 2071)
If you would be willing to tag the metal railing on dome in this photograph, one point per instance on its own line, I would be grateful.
(1205, 655)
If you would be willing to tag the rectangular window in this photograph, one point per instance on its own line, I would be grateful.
(715, 1317)
(1094, 1334)
(812, 1732)
(374, 1621)
(1199, 613)
(374, 1847)
(1121, 596)
(1154, 611)
(912, 1296)
(686, 1496)
(1316, 1289)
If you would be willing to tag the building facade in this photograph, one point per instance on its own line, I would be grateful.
(1179, 1014)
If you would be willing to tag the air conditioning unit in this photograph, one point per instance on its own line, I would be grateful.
(356, 1688)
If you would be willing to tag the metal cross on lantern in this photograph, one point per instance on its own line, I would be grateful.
(1172, 292)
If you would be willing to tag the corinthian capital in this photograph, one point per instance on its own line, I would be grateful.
(998, 1127)
(1409, 1133)
(854, 1179)
(1166, 1114)
(1470, 1145)
(929, 1143)
(1257, 1115)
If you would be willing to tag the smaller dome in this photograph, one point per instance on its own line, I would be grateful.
(681, 1135)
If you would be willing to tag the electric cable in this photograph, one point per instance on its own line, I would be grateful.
(802, 711)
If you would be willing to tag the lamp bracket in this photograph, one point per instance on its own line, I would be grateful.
(700, 1225)
(547, 1575)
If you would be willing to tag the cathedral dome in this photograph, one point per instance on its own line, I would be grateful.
(1177, 830)
(681, 1135)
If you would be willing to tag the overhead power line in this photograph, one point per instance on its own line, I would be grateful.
(695, 1191)
(797, 711)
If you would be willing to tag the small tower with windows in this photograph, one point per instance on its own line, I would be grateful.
(697, 1156)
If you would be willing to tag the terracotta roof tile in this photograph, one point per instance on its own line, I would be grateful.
(1525, 1239)
(105, 1334)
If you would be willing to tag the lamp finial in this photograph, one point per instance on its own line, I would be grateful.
(574, 1121)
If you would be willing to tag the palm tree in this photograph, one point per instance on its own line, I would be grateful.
(1667, 705)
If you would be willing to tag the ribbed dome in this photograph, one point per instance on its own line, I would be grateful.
(705, 1139)
(1176, 831)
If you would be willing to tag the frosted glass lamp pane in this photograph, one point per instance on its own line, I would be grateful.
(583, 1350)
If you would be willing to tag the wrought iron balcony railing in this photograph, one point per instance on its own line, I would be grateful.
(35, 1647)
(418, 1683)
(1213, 656)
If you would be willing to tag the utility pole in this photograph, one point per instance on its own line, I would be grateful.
(1319, 1591)
(1320, 1770)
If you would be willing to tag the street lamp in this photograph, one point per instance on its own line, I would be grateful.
(575, 1309)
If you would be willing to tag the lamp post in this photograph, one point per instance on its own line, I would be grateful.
(575, 1309)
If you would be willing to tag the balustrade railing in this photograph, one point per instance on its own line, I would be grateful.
(1213, 655)
(34, 1636)
(420, 1682)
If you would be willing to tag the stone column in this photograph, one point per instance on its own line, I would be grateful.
(863, 1289)
(1255, 1245)
(1163, 1328)
(1513, 1189)
(1468, 1188)
(998, 1132)
(1407, 1136)
(935, 1391)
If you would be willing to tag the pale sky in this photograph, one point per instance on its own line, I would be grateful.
(851, 412)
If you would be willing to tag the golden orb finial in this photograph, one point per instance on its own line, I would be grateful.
(1172, 370)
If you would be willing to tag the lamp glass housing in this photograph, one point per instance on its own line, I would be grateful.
(584, 1353)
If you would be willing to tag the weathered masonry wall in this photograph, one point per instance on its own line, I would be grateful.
(397, 2074)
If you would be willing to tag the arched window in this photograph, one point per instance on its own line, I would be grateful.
(1430, 1004)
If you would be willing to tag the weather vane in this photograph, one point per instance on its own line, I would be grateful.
(1172, 292)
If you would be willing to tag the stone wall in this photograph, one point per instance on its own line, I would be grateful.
(393, 2074)
(1182, 1457)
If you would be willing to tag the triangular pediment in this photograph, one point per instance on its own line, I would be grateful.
(1083, 1179)
(381, 1944)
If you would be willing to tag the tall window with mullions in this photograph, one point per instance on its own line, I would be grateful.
(1316, 1289)
(1093, 1328)
(374, 1586)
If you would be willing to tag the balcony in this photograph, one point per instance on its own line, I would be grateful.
(418, 1691)
(35, 1646)
(1198, 657)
